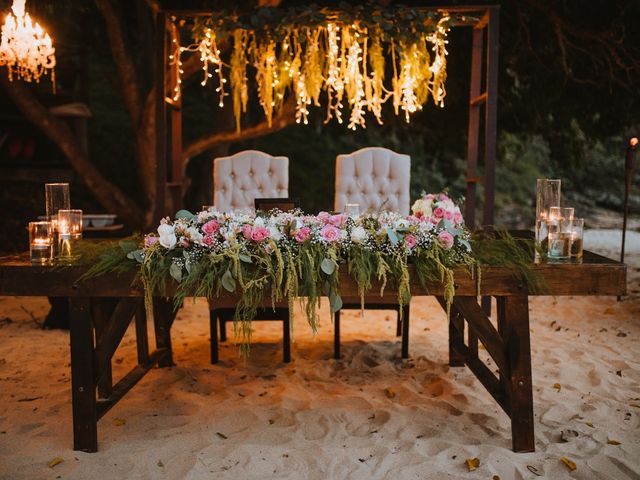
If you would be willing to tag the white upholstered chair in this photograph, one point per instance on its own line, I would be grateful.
(241, 178)
(377, 179)
(238, 181)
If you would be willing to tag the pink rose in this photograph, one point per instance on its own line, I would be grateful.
(448, 215)
(209, 239)
(330, 233)
(410, 241)
(258, 234)
(323, 217)
(246, 231)
(438, 212)
(149, 240)
(211, 227)
(445, 239)
(337, 220)
(457, 218)
(303, 234)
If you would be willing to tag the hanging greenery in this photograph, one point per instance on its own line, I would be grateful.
(279, 257)
(312, 52)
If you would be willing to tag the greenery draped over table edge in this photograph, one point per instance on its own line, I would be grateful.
(315, 270)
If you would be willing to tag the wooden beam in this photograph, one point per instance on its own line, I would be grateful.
(159, 207)
(128, 381)
(111, 337)
(473, 134)
(491, 119)
(515, 326)
(83, 386)
(483, 328)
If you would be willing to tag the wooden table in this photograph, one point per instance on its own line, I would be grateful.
(102, 308)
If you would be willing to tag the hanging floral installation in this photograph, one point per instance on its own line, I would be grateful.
(357, 58)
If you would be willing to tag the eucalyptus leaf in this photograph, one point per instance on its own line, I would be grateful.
(465, 243)
(175, 271)
(228, 282)
(128, 246)
(184, 215)
(393, 236)
(245, 258)
(335, 301)
(328, 266)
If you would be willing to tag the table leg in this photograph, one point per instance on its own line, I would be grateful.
(405, 331)
(336, 335)
(83, 393)
(213, 328)
(513, 324)
(163, 315)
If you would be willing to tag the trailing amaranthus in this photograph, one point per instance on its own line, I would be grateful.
(307, 51)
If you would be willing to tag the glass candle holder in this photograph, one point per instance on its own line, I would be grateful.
(41, 242)
(69, 227)
(547, 196)
(577, 235)
(57, 198)
(559, 233)
(352, 210)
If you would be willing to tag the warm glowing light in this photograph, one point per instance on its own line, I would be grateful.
(341, 60)
(25, 48)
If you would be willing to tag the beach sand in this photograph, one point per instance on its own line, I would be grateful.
(370, 415)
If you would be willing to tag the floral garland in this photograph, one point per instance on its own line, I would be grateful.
(308, 50)
(289, 255)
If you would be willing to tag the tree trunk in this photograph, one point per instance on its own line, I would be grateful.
(109, 195)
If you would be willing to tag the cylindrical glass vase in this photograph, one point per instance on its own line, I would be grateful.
(547, 196)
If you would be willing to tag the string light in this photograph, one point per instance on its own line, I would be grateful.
(330, 58)
(25, 48)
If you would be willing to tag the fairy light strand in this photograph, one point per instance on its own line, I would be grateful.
(343, 61)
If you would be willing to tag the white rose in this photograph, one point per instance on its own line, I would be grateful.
(259, 222)
(358, 234)
(401, 224)
(274, 233)
(167, 236)
(194, 234)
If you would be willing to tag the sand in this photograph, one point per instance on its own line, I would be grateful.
(318, 418)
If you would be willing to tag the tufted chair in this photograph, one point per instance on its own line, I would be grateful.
(241, 178)
(377, 179)
(238, 181)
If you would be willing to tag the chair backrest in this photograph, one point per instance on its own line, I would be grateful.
(376, 178)
(282, 204)
(247, 175)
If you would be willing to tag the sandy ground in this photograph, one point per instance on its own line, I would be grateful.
(318, 418)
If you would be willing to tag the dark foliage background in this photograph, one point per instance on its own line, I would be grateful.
(568, 101)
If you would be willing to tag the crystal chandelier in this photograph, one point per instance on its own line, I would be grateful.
(25, 48)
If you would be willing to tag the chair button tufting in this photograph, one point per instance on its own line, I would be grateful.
(271, 173)
(251, 173)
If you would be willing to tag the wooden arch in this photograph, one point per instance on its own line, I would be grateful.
(483, 99)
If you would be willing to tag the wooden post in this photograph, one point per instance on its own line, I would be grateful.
(475, 103)
(491, 118)
(159, 207)
(163, 315)
(83, 387)
(514, 329)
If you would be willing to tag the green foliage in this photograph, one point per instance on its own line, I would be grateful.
(308, 274)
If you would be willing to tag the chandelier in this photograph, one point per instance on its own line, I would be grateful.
(25, 48)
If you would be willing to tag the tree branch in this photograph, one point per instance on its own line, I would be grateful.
(124, 62)
(108, 194)
(281, 120)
